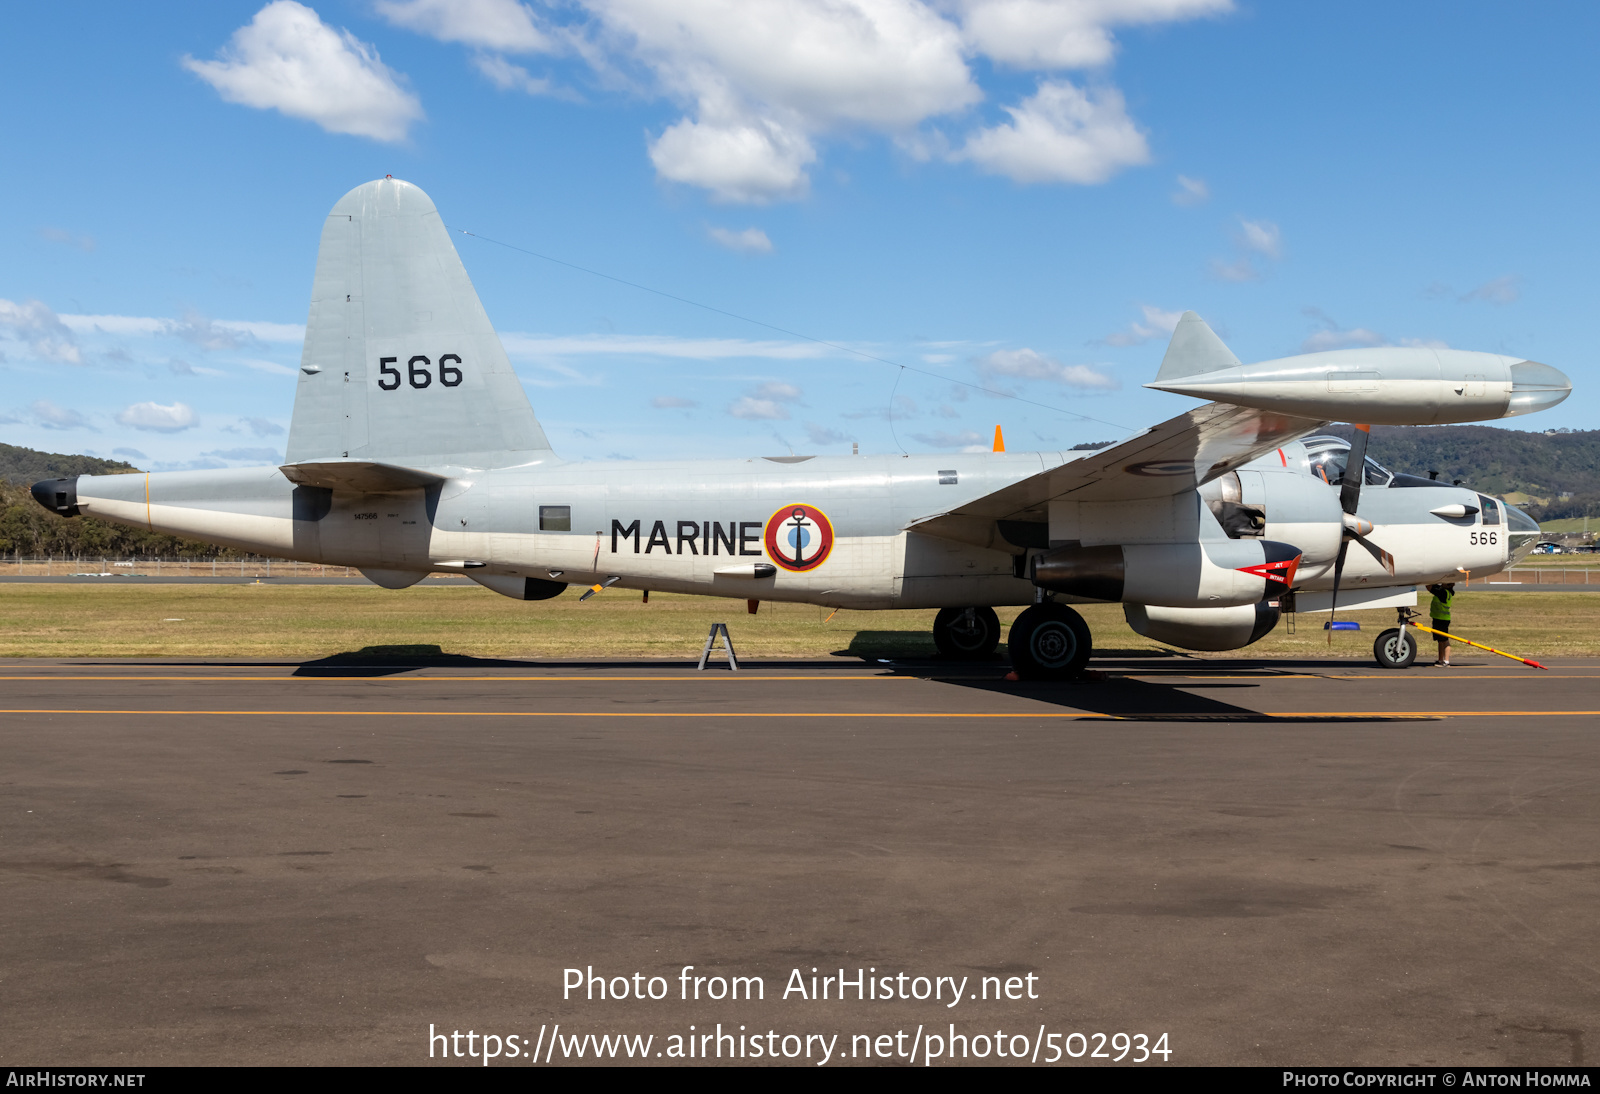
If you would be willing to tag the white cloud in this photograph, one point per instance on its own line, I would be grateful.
(1044, 34)
(778, 390)
(509, 77)
(752, 162)
(1502, 290)
(1155, 324)
(544, 347)
(1061, 134)
(193, 327)
(253, 455)
(46, 335)
(1191, 191)
(672, 402)
(288, 60)
(1027, 364)
(757, 409)
(502, 25)
(751, 240)
(766, 402)
(132, 453)
(266, 332)
(51, 416)
(56, 235)
(966, 440)
(1342, 339)
(1333, 336)
(1261, 236)
(262, 427)
(821, 435)
(267, 366)
(761, 82)
(1241, 269)
(196, 328)
(155, 418)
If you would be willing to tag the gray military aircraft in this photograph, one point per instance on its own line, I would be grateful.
(413, 449)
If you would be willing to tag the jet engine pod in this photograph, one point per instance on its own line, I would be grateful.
(1180, 575)
(1210, 629)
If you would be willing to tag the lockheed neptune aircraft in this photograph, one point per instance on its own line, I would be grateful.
(413, 449)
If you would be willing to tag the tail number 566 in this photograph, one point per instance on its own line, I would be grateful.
(1479, 539)
(418, 372)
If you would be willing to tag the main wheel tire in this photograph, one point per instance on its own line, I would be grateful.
(1049, 641)
(1394, 650)
(961, 636)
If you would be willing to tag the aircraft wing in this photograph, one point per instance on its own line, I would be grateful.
(1177, 455)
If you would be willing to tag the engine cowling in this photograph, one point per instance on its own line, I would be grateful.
(1210, 629)
(1211, 573)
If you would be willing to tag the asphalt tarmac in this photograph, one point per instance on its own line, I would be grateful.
(1267, 862)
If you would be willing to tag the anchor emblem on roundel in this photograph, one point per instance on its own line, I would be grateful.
(799, 537)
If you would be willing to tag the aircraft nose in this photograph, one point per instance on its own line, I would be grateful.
(1536, 387)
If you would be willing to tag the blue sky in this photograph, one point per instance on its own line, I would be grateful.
(1015, 194)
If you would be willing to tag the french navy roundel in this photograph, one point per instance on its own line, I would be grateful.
(799, 537)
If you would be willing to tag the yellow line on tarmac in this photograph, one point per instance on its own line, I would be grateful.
(1353, 676)
(448, 679)
(1217, 716)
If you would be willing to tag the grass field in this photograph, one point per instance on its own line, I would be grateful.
(304, 622)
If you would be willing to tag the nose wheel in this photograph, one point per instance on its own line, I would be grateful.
(966, 634)
(1049, 641)
(1395, 649)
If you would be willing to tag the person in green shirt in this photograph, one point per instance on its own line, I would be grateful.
(1439, 612)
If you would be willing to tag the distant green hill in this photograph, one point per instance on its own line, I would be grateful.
(27, 466)
(1561, 468)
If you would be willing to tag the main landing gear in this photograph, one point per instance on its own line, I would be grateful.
(1049, 641)
(966, 634)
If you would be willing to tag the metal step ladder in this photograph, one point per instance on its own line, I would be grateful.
(727, 644)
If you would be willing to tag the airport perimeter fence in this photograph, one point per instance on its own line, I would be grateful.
(169, 567)
(1553, 575)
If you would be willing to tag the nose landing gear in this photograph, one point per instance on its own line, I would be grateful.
(1396, 648)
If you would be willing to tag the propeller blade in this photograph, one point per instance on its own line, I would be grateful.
(1385, 559)
(1338, 573)
(1355, 470)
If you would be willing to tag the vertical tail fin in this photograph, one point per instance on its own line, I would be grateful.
(401, 363)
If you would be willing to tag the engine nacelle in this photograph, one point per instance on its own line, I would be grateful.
(1213, 573)
(1211, 629)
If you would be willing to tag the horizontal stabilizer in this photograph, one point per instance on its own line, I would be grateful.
(1195, 348)
(359, 476)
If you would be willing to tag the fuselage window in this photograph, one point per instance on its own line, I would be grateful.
(947, 478)
(555, 518)
(1491, 510)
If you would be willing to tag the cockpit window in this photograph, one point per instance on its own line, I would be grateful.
(1491, 510)
(1329, 455)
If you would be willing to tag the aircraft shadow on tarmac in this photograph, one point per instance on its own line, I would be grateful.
(1110, 687)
